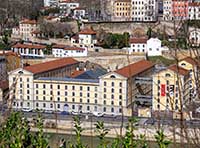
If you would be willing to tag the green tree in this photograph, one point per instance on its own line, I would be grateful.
(161, 139)
(102, 132)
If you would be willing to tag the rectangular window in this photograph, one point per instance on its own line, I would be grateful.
(58, 86)
(44, 86)
(81, 87)
(36, 86)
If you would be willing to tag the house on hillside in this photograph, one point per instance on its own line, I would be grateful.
(68, 51)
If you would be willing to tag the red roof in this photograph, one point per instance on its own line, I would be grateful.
(178, 70)
(73, 48)
(138, 40)
(34, 46)
(76, 73)
(27, 21)
(51, 65)
(66, 47)
(190, 60)
(4, 84)
(87, 31)
(135, 68)
(194, 4)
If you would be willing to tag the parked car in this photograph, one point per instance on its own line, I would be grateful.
(64, 113)
(48, 111)
(98, 114)
(74, 113)
(26, 109)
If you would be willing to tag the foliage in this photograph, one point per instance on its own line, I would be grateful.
(51, 11)
(161, 60)
(116, 40)
(102, 132)
(149, 32)
(15, 133)
(78, 130)
(161, 139)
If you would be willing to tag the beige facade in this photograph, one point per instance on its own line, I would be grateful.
(170, 90)
(122, 10)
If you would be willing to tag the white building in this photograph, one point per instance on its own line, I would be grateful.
(68, 51)
(48, 3)
(151, 47)
(29, 50)
(144, 10)
(194, 37)
(154, 47)
(25, 29)
(194, 11)
(167, 10)
(66, 6)
(79, 13)
(138, 45)
(86, 38)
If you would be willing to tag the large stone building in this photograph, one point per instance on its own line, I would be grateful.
(60, 85)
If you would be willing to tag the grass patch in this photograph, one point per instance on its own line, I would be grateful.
(161, 59)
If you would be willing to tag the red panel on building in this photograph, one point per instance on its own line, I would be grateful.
(163, 91)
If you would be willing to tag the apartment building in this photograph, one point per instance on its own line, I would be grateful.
(60, 84)
(194, 10)
(167, 10)
(170, 91)
(29, 50)
(138, 45)
(68, 51)
(66, 6)
(25, 29)
(122, 10)
(144, 10)
(79, 13)
(180, 9)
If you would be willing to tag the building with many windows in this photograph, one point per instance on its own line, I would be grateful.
(144, 10)
(171, 91)
(68, 51)
(180, 9)
(25, 29)
(194, 10)
(167, 10)
(60, 85)
(194, 37)
(29, 50)
(122, 10)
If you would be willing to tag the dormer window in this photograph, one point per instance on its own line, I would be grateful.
(112, 76)
(183, 64)
(167, 75)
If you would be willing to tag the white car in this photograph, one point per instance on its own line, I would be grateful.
(98, 114)
(74, 113)
(27, 109)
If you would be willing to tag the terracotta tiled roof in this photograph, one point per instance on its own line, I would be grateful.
(76, 73)
(190, 60)
(19, 45)
(138, 40)
(135, 68)
(51, 65)
(178, 70)
(59, 46)
(68, 1)
(4, 84)
(66, 47)
(87, 31)
(123, 1)
(27, 21)
(194, 4)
